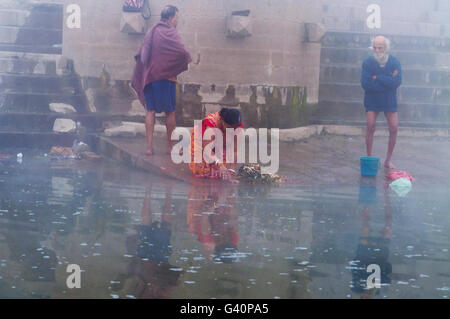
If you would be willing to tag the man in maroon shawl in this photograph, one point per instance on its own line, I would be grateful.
(161, 58)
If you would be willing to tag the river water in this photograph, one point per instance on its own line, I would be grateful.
(137, 235)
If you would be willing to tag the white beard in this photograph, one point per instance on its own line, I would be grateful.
(381, 57)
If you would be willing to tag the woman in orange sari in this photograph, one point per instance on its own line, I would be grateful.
(215, 167)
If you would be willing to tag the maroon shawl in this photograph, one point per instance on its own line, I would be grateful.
(161, 56)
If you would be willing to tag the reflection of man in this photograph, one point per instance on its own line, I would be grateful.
(149, 274)
(161, 58)
(380, 78)
(373, 249)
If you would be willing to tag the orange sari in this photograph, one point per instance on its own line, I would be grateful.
(205, 169)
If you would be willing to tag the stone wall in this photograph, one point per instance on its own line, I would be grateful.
(428, 18)
(278, 76)
(419, 31)
(226, 71)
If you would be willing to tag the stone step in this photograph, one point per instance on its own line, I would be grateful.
(13, 17)
(420, 27)
(43, 122)
(443, 6)
(29, 56)
(27, 122)
(35, 139)
(434, 68)
(381, 123)
(28, 63)
(439, 17)
(36, 48)
(30, 36)
(406, 94)
(414, 77)
(425, 113)
(357, 40)
(25, 83)
(23, 102)
(408, 59)
(31, 5)
(31, 19)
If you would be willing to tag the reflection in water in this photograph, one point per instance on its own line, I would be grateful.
(135, 235)
(372, 248)
(212, 216)
(150, 275)
(38, 262)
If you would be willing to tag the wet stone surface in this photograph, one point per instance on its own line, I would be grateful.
(137, 235)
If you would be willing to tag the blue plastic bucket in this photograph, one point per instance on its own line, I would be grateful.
(369, 165)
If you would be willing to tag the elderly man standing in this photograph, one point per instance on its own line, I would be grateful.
(380, 78)
(161, 58)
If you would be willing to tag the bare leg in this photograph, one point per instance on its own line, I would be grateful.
(392, 118)
(146, 212)
(149, 127)
(170, 126)
(370, 130)
(387, 231)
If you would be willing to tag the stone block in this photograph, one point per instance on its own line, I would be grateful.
(300, 133)
(64, 65)
(13, 17)
(90, 96)
(62, 108)
(314, 32)
(139, 128)
(239, 26)
(137, 109)
(443, 5)
(332, 74)
(6, 66)
(126, 129)
(121, 130)
(64, 126)
(39, 68)
(212, 108)
(133, 23)
(8, 34)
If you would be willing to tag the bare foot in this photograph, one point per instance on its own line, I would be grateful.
(388, 164)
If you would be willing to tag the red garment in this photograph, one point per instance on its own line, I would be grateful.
(162, 56)
(396, 174)
(212, 120)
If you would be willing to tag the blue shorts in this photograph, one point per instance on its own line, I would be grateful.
(392, 108)
(160, 96)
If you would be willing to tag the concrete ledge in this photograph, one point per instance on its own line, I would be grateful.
(403, 131)
(300, 133)
(305, 132)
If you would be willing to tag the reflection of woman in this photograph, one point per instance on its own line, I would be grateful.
(213, 217)
(373, 249)
(215, 166)
(149, 274)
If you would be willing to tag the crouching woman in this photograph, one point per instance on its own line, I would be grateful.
(212, 164)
